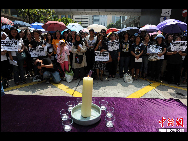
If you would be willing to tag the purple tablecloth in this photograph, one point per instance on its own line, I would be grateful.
(41, 114)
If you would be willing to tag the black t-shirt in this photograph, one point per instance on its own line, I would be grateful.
(125, 48)
(113, 48)
(47, 61)
(27, 42)
(35, 43)
(137, 49)
(162, 46)
(175, 58)
(105, 43)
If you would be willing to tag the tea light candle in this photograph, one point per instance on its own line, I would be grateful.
(86, 96)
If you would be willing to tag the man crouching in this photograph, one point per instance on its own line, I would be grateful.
(47, 70)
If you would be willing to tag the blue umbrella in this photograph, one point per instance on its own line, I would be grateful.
(6, 26)
(75, 27)
(37, 26)
(159, 35)
(21, 23)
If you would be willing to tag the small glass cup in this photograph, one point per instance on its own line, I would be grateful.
(64, 114)
(109, 121)
(67, 124)
(103, 104)
(70, 105)
(109, 111)
(79, 100)
(93, 100)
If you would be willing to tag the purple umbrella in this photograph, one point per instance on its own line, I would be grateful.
(149, 28)
(172, 26)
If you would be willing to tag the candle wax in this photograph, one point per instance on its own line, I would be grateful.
(86, 96)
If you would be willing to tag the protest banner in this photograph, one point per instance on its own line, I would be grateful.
(179, 46)
(154, 49)
(101, 56)
(9, 45)
(38, 51)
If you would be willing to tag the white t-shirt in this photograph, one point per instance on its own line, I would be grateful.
(89, 42)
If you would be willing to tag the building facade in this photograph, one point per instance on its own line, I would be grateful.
(100, 19)
(85, 20)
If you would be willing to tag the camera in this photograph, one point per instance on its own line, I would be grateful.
(38, 64)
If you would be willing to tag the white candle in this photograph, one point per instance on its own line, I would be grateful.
(87, 96)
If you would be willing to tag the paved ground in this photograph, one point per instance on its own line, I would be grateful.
(110, 87)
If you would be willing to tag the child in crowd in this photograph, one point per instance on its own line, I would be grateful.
(63, 55)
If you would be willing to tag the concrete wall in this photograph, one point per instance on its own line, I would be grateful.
(152, 16)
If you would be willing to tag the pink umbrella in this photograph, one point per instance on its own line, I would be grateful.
(54, 25)
(85, 30)
(159, 32)
(6, 21)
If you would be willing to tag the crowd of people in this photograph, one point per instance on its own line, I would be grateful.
(78, 51)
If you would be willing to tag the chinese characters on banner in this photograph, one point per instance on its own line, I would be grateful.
(38, 51)
(9, 45)
(154, 49)
(101, 56)
(179, 46)
(170, 122)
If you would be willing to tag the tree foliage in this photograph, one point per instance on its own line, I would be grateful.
(116, 25)
(66, 21)
(42, 15)
(36, 15)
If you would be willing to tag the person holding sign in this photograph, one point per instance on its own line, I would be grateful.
(136, 58)
(174, 63)
(4, 63)
(100, 65)
(146, 43)
(79, 58)
(113, 48)
(17, 56)
(156, 64)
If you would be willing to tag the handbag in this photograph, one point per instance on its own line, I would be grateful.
(128, 78)
(69, 75)
(21, 56)
(78, 58)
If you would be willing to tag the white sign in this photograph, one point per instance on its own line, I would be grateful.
(9, 45)
(154, 49)
(166, 12)
(162, 57)
(38, 51)
(101, 56)
(179, 46)
(138, 60)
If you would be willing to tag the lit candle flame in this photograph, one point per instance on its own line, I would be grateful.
(88, 76)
